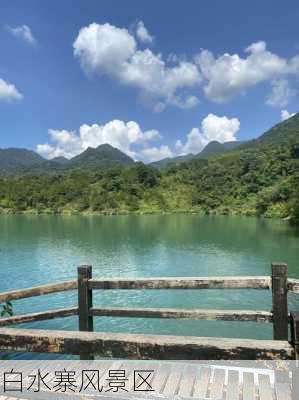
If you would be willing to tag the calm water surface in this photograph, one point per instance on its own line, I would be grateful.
(43, 249)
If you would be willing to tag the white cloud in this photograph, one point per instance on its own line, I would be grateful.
(281, 93)
(178, 101)
(106, 49)
(286, 115)
(152, 154)
(185, 103)
(127, 137)
(143, 34)
(23, 32)
(48, 151)
(229, 75)
(213, 127)
(8, 91)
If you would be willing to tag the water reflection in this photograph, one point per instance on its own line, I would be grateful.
(35, 250)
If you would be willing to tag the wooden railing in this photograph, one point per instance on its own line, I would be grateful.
(89, 344)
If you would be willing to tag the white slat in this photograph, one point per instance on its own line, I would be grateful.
(282, 391)
(232, 391)
(173, 381)
(187, 382)
(265, 389)
(217, 385)
(161, 376)
(202, 383)
(248, 386)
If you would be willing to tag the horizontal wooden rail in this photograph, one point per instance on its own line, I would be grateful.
(224, 315)
(242, 282)
(293, 285)
(143, 347)
(38, 291)
(39, 316)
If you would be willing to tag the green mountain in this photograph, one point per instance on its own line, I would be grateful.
(103, 156)
(258, 178)
(214, 148)
(281, 134)
(60, 160)
(16, 162)
(165, 162)
(13, 160)
(211, 149)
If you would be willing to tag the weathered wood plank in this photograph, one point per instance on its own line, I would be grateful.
(209, 314)
(223, 315)
(242, 282)
(280, 301)
(39, 316)
(293, 285)
(143, 347)
(38, 291)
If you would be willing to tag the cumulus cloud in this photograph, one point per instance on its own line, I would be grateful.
(181, 102)
(229, 74)
(152, 154)
(286, 115)
(9, 92)
(281, 93)
(132, 140)
(110, 50)
(126, 136)
(143, 34)
(106, 49)
(23, 32)
(213, 127)
(103, 48)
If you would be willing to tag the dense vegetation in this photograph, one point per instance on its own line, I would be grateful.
(259, 178)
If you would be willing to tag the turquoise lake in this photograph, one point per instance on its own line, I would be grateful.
(44, 249)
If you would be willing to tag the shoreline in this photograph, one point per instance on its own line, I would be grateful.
(144, 212)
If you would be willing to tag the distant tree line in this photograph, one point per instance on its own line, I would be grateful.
(257, 180)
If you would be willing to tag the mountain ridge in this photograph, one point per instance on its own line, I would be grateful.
(258, 178)
(211, 149)
(16, 161)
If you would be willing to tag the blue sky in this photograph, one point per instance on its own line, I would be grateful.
(154, 79)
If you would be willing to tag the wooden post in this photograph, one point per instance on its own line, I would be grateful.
(280, 301)
(85, 304)
(294, 326)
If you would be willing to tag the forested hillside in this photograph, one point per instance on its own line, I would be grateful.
(18, 162)
(213, 148)
(12, 159)
(260, 177)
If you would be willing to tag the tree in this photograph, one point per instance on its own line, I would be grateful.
(6, 309)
